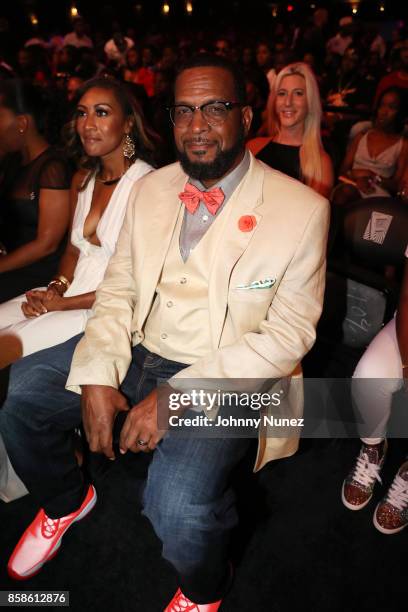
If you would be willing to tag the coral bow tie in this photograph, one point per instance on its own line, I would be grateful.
(191, 196)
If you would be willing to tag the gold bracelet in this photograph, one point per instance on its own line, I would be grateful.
(63, 280)
(59, 287)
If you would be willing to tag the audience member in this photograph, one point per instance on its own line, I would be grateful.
(117, 47)
(78, 37)
(73, 84)
(294, 115)
(345, 88)
(376, 159)
(136, 71)
(264, 60)
(222, 47)
(35, 196)
(399, 76)
(343, 39)
(381, 372)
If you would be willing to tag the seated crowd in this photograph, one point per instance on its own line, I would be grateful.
(80, 124)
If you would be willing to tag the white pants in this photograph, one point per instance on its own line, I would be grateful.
(381, 363)
(41, 332)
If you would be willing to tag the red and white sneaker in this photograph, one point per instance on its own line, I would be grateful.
(42, 539)
(181, 603)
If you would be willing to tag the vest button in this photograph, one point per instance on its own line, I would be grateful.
(169, 304)
(163, 336)
(183, 280)
(205, 218)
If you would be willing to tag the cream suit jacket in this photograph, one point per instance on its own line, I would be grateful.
(254, 334)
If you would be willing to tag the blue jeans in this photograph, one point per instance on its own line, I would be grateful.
(187, 497)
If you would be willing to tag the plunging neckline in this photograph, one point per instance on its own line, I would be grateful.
(93, 181)
(375, 157)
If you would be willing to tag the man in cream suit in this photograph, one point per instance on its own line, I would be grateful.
(218, 274)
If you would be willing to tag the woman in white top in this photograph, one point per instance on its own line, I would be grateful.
(376, 160)
(114, 147)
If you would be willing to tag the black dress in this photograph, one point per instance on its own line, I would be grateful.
(19, 213)
(282, 157)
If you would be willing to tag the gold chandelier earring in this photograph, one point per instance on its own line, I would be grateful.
(128, 147)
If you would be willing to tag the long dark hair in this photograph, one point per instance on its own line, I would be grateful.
(146, 141)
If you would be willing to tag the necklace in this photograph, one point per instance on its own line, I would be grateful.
(110, 181)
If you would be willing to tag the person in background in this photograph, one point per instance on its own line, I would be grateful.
(264, 60)
(222, 47)
(74, 83)
(381, 372)
(34, 205)
(78, 38)
(136, 72)
(338, 44)
(376, 159)
(65, 61)
(169, 58)
(345, 87)
(116, 49)
(33, 66)
(397, 77)
(312, 38)
(294, 116)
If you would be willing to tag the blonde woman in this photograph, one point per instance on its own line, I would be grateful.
(294, 145)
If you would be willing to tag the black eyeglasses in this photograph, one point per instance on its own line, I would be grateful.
(214, 112)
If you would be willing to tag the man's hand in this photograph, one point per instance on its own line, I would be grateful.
(141, 426)
(100, 404)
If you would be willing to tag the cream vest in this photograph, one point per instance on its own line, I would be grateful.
(178, 324)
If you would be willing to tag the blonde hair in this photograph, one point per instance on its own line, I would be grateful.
(311, 149)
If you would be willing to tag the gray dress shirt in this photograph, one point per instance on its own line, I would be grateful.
(195, 225)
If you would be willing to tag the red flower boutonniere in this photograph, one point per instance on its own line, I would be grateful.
(247, 223)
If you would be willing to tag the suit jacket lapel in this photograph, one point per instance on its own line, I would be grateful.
(247, 200)
(162, 224)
